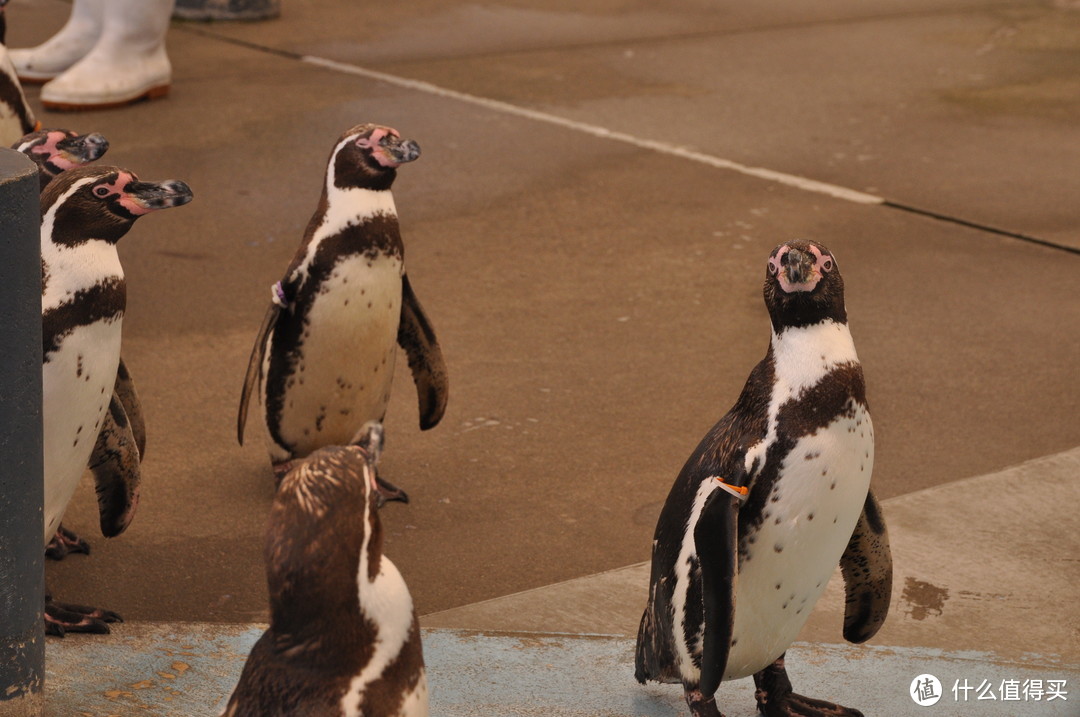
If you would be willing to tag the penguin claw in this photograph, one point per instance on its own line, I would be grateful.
(388, 492)
(62, 618)
(702, 706)
(65, 542)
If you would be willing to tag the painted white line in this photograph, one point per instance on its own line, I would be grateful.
(790, 180)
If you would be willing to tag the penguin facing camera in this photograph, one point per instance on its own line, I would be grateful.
(774, 496)
(344, 637)
(323, 361)
(84, 212)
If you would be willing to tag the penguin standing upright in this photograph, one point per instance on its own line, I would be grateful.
(323, 361)
(344, 639)
(55, 151)
(16, 117)
(774, 496)
(84, 212)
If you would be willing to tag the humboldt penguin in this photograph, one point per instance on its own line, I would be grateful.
(84, 212)
(55, 151)
(773, 497)
(344, 638)
(323, 361)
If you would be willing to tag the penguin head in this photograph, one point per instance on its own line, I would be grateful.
(369, 439)
(103, 202)
(803, 285)
(58, 150)
(368, 155)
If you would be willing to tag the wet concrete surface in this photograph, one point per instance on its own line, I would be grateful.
(598, 300)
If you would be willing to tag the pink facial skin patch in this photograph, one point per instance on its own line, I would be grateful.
(823, 264)
(50, 147)
(372, 142)
(128, 202)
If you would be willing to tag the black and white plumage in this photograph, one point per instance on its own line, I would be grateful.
(58, 150)
(55, 151)
(84, 212)
(344, 639)
(323, 361)
(16, 116)
(735, 576)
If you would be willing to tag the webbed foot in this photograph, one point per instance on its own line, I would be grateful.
(702, 706)
(776, 699)
(65, 542)
(61, 618)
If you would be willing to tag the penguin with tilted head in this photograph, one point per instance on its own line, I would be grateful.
(84, 213)
(55, 151)
(323, 361)
(774, 496)
(344, 640)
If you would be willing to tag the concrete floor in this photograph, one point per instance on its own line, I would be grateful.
(600, 185)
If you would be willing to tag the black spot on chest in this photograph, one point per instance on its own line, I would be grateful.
(840, 393)
(374, 238)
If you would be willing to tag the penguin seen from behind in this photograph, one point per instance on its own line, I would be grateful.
(344, 640)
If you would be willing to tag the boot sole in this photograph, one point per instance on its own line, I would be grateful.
(151, 94)
(40, 80)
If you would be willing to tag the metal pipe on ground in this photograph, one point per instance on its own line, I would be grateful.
(22, 488)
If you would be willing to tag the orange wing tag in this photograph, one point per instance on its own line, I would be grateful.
(739, 491)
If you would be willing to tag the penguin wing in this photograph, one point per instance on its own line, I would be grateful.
(715, 538)
(416, 336)
(254, 369)
(115, 465)
(867, 569)
(124, 390)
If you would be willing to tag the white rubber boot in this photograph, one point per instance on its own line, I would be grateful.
(127, 64)
(75, 39)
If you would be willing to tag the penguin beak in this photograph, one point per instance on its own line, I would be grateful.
(159, 195)
(800, 266)
(84, 148)
(398, 150)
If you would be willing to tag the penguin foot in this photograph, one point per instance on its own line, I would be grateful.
(776, 699)
(65, 542)
(794, 705)
(702, 706)
(61, 618)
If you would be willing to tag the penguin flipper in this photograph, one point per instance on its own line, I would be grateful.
(115, 465)
(124, 390)
(254, 369)
(867, 569)
(716, 538)
(417, 337)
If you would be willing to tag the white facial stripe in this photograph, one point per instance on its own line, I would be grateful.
(73, 267)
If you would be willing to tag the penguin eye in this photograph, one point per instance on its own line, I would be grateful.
(102, 191)
(826, 265)
(772, 269)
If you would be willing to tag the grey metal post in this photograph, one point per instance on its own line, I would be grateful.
(22, 486)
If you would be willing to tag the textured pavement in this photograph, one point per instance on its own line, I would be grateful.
(600, 185)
